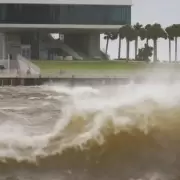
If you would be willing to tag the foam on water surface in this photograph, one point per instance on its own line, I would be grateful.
(123, 131)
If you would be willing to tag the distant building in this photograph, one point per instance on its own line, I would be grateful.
(26, 25)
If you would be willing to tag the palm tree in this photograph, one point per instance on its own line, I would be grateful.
(147, 27)
(114, 36)
(170, 34)
(143, 34)
(176, 34)
(130, 35)
(121, 37)
(137, 27)
(109, 36)
(155, 32)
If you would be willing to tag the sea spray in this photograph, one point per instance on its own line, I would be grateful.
(120, 131)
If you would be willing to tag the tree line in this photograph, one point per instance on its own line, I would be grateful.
(149, 32)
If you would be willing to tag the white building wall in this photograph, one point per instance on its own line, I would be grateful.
(93, 2)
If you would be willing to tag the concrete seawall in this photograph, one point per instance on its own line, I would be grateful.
(16, 81)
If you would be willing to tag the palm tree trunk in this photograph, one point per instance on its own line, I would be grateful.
(147, 41)
(155, 50)
(169, 50)
(119, 48)
(128, 49)
(175, 49)
(136, 48)
(156, 43)
(107, 45)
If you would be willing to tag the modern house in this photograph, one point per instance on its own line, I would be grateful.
(26, 26)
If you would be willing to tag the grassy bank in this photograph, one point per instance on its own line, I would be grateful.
(54, 66)
(87, 65)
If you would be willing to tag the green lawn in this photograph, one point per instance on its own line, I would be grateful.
(54, 66)
(48, 66)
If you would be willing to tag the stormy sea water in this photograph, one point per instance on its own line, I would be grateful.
(57, 132)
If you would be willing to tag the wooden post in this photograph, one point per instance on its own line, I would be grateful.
(39, 80)
(35, 82)
(11, 82)
(72, 81)
(22, 81)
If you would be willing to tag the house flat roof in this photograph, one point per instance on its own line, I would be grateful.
(86, 2)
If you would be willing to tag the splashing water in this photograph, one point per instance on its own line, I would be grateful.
(123, 131)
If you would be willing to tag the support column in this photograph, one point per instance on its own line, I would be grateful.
(94, 45)
(2, 46)
(35, 46)
(86, 43)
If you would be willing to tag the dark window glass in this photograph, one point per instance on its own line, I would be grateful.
(65, 14)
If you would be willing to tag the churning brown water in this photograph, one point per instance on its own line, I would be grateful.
(119, 132)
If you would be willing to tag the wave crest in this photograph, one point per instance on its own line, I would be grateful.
(130, 126)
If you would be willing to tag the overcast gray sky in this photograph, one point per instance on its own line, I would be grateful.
(164, 12)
